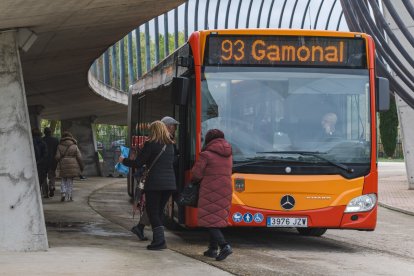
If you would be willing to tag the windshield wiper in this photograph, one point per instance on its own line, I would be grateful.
(254, 160)
(315, 154)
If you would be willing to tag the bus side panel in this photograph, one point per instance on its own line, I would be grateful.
(371, 180)
(194, 41)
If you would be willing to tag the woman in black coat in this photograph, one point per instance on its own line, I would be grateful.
(160, 183)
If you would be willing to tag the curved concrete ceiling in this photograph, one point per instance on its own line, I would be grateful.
(71, 35)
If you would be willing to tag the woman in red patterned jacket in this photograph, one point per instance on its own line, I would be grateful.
(214, 168)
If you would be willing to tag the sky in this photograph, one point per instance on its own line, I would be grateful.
(311, 14)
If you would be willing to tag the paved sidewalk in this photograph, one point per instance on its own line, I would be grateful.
(393, 187)
(84, 243)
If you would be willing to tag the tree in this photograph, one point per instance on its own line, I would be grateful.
(53, 124)
(109, 133)
(389, 129)
(116, 83)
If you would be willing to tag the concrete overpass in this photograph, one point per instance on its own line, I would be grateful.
(50, 80)
(70, 35)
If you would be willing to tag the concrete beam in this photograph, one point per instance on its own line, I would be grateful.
(22, 224)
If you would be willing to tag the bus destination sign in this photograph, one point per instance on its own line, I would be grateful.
(253, 50)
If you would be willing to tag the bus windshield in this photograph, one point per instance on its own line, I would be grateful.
(268, 112)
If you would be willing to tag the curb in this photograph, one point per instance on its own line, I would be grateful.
(396, 209)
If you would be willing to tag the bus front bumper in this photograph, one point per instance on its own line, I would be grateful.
(330, 217)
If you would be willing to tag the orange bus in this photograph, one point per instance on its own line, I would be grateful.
(299, 109)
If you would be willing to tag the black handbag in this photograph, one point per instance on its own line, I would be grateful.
(189, 195)
(141, 177)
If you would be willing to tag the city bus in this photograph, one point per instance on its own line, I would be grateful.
(299, 109)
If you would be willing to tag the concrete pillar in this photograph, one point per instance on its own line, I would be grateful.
(406, 118)
(22, 224)
(84, 132)
(34, 115)
(405, 112)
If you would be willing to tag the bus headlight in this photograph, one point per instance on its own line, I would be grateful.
(361, 204)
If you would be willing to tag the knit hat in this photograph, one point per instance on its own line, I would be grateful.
(213, 134)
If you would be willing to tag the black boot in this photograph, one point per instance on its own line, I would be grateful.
(225, 251)
(211, 252)
(139, 231)
(158, 240)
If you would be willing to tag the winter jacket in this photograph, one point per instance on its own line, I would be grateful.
(69, 158)
(214, 169)
(52, 144)
(161, 176)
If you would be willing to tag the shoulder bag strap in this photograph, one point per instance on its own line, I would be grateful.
(156, 158)
(64, 154)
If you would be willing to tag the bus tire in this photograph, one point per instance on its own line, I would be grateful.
(314, 232)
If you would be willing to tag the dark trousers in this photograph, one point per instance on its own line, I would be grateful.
(42, 174)
(216, 237)
(155, 204)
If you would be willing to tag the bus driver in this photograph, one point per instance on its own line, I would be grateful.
(328, 124)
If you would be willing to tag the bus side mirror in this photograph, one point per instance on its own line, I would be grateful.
(179, 88)
(383, 94)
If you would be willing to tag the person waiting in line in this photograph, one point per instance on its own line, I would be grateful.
(70, 163)
(160, 183)
(41, 156)
(52, 144)
(213, 169)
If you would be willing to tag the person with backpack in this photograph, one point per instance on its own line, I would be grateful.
(70, 163)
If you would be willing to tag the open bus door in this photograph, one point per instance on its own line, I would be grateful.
(179, 96)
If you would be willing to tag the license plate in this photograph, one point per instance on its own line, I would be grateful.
(286, 222)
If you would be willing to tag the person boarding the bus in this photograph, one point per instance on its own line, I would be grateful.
(143, 219)
(160, 183)
(172, 125)
(214, 169)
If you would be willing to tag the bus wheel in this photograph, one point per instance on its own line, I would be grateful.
(314, 232)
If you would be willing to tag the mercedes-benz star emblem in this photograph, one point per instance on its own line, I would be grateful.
(287, 202)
